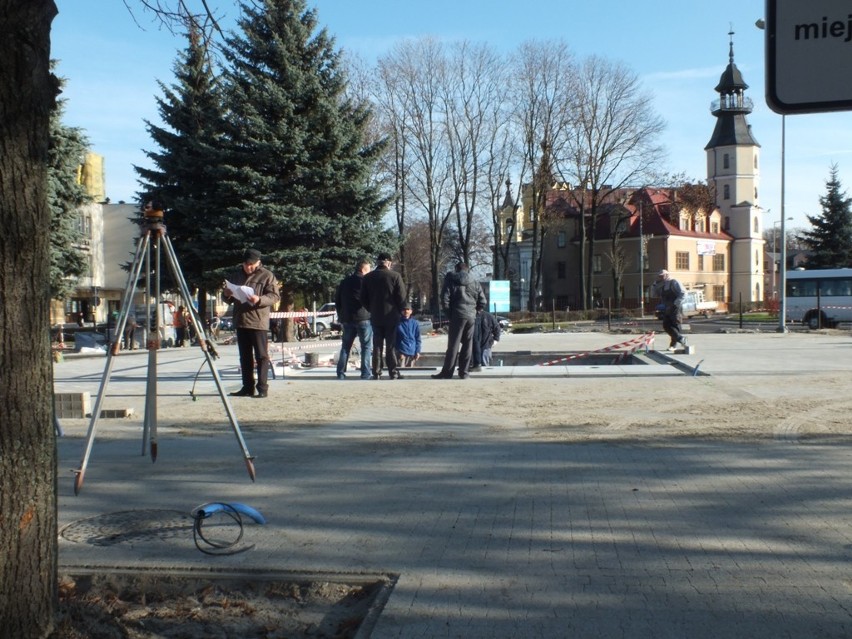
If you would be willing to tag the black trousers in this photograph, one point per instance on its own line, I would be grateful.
(254, 349)
(384, 336)
(459, 346)
(671, 324)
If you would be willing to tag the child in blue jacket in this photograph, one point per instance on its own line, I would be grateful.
(408, 338)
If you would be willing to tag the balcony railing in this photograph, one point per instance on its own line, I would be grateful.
(733, 103)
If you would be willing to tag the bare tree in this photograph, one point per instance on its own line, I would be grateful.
(542, 91)
(619, 218)
(418, 262)
(614, 142)
(28, 524)
(414, 76)
(476, 137)
(387, 92)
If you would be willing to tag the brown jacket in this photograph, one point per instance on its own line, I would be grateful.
(254, 316)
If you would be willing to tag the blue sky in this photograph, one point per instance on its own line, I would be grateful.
(679, 49)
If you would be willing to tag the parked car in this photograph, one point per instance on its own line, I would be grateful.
(425, 324)
(328, 322)
(504, 322)
(226, 323)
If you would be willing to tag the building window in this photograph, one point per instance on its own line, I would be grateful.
(714, 227)
(726, 190)
(84, 226)
(719, 262)
(756, 225)
(718, 293)
(700, 262)
(755, 161)
(726, 161)
(682, 261)
(560, 270)
(596, 264)
(560, 239)
(727, 222)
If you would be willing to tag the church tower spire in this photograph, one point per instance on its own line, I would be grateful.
(733, 172)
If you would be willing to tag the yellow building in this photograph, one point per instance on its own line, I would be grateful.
(640, 231)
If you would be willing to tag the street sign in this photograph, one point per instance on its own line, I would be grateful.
(808, 55)
(499, 291)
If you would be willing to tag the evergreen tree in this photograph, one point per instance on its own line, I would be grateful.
(65, 195)
(831, 236)
(297, 177)
(185, 175)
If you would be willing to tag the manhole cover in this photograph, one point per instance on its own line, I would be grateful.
(129, 526)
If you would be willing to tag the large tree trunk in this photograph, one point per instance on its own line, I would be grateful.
(27, 441)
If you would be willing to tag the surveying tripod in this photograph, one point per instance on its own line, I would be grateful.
(148, 253)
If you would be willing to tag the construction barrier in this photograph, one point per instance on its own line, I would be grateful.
(634, 344)
(284, 314)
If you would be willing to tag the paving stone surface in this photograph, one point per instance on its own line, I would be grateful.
(495, 531)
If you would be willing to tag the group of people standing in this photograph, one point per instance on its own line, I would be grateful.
(372, 307)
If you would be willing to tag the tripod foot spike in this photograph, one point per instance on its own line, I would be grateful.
(250, 466)
(153, 452)
(78, 481)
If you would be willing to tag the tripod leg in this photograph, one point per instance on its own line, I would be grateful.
(209, 352)
(132, 278)
(149, 429)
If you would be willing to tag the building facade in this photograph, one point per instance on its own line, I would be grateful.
(717, 248)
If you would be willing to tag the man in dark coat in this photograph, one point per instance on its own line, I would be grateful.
(355, 319)
(462, 295)
(383, 294)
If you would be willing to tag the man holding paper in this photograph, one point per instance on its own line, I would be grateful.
(253, 291)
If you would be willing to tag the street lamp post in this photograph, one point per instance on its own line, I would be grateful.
(641, 265)
(775, 252)
(782, 307)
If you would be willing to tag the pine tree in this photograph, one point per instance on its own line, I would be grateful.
(65, 195)
(831, 236)
(185, 178)
(297, 177)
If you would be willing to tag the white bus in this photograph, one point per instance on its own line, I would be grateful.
(820, 298)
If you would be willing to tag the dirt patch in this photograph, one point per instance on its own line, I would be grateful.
(148, 605)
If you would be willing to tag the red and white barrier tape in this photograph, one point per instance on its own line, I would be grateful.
(643, 340)
(306, 346)
(645, 343)
(283, 314)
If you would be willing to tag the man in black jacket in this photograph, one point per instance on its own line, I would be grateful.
(355, 319)
(462, 295)
(383, 295)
